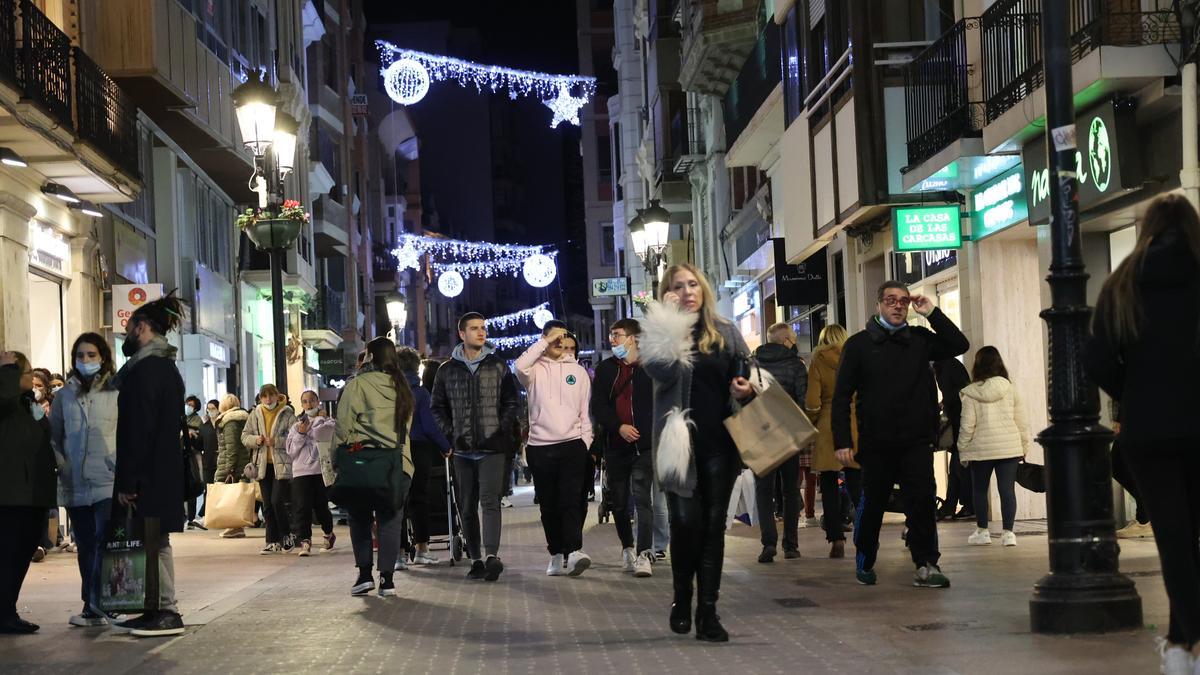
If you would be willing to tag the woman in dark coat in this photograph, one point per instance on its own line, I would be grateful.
(149, 475)
(27, 483)
(1145, 352)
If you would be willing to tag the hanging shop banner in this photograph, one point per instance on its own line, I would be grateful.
(927, 228)
(610, 287)
(806, 283)
(126, 298)
(999, 204)
(1102, 170)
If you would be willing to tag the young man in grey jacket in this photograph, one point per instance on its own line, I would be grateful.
(475, 403)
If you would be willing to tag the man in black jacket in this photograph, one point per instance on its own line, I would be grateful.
(887, 366)
(149, 474)
(476, 403)
(778, 357)
(623, 409)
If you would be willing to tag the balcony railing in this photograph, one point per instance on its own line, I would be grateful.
(758, 77)
(937, 96)
(65, 83)
(328, 313)
(1012, 42)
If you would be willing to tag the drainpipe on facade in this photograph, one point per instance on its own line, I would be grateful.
(1189, 175)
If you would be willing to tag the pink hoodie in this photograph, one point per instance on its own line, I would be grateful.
(559, 394)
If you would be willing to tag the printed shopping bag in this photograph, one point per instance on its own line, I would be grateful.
(129, 566)
(769, 429)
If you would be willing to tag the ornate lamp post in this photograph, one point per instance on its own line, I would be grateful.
(649, 230)
(397, 309)
(1084, 591)
(271, 136)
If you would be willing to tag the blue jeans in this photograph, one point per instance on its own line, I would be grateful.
(89, 524)
(1006, 480)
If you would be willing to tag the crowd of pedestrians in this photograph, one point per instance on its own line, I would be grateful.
(105, 443)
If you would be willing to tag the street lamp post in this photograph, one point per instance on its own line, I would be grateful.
(397, 309)
(649, 230)
(1084, 591)
(271, 136)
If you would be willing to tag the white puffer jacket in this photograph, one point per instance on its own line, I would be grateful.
(993, 422)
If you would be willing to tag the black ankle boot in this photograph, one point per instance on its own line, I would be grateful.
(708, 624)
(681, 615)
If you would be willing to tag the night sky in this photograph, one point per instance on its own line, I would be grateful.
(525, 34)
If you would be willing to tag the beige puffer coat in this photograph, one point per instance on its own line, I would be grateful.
(993, 422)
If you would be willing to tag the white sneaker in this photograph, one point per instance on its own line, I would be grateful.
(627, 560)
(425, 558)
(1135, 530)
(644, 566)
(555, 568)
(270, 549)
(812, 522)
(981, 537)
(1008, 538)
(506, 503)
(401, 564)
(1175, 659)
(577, 562)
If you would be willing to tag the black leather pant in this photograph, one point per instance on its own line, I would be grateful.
(698, 526)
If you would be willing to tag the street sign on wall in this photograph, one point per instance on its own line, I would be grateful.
(612, 286)
(927, 228)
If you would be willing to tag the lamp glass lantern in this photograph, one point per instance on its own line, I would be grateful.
(284, 142)
(637, 232)
(657, 225)
(397, 309)
(255, 103)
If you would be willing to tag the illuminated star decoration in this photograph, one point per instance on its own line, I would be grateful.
(565, 107)
(407, 75)
(408, 257)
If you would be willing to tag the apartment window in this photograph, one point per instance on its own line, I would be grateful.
(213, 215)
(212, 26)
(839, 285)
(329, 56)
(792, 67)
(608, 245)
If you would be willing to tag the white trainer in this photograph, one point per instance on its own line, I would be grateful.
(425, 558)
(577, 562)
(555, 568)
(1008, 538)
(627, 560)
(644, 565)
(980, 537)
(1176, 660)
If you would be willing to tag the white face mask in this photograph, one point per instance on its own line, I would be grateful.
(272, 406)
(38, 395)
(312, 412)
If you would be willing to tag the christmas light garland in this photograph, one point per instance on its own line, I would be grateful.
(408, 73)
(505, 321)
(514, 341)
(478, 259)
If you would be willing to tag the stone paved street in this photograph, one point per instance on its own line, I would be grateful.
(282, 614)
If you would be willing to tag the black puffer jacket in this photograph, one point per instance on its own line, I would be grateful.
(27, 467)
(786, 367)
(477, 411)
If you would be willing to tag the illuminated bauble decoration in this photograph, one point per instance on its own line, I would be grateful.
(539, 270)
(406, 81)
(450, 283)
(541, 316)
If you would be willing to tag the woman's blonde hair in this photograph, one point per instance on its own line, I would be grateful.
(229, 402)
(833, 335)
(710, 338)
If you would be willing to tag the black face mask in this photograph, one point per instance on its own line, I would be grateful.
(130, 346)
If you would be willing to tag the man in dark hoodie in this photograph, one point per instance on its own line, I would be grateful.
(623, 406)
(779, 358)
(887, 366)
(476, 403)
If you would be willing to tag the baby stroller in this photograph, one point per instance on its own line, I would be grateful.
(450, 536)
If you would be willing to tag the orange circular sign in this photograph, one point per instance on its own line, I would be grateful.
(137, 296)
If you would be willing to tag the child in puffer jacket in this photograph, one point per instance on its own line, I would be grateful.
(308, 485)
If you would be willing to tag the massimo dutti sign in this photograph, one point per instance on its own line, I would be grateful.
(1107, 160)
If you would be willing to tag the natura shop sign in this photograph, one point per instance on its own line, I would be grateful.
(927, 228)
(998, 204)
(1101, 168)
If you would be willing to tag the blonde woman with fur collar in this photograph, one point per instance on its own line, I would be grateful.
(692, 355)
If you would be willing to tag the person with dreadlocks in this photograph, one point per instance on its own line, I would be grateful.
(149, 474)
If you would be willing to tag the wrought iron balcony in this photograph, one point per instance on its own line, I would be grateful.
(937, 97)
(328, 313)
(760, 74)
(62, 81)
(1012, 42)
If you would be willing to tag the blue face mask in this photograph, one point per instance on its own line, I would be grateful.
(189, 410)
(87, 369)
(620, 351)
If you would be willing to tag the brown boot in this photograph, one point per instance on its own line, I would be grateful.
(837, 549)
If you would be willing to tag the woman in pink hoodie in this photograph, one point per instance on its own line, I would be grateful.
(308, 486)
(560, 433)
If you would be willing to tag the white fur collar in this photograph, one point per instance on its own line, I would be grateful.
(666, 335)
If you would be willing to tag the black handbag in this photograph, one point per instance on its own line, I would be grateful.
(193, 482)
(1032, 477)
(367, 478)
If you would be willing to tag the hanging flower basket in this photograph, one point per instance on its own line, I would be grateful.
(273, 230)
